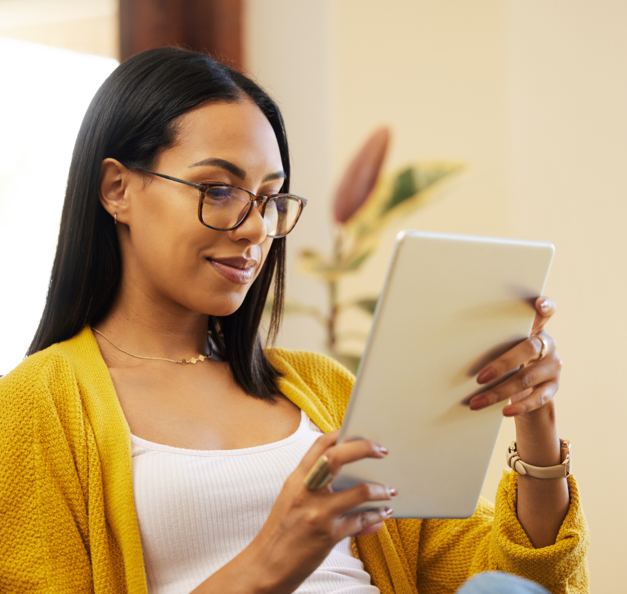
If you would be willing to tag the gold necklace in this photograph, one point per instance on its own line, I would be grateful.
(193, 360)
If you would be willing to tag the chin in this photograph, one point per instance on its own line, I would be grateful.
(224, 307)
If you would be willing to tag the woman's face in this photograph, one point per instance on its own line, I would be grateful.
(167, 253)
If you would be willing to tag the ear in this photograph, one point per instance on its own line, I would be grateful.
(114, 179)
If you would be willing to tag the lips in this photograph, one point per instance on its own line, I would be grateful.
(237, 269)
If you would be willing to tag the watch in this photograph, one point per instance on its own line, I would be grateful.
(542, 472)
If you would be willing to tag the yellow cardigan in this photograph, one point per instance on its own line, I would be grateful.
(68, 521)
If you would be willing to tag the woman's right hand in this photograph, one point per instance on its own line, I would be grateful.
(304, 525)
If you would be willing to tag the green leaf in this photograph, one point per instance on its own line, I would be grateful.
(368, 305)
(404, 188)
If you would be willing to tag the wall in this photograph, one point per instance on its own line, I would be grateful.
(569, 92)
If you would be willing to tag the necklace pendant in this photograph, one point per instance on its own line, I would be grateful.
(194, 360)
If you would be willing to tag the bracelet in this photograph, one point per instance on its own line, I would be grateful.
(561, 470)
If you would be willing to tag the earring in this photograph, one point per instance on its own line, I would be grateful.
(115, 218)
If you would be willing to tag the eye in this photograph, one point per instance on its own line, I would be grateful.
(273, 191)
(218, 193)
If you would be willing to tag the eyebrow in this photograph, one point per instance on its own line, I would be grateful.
(235, 170)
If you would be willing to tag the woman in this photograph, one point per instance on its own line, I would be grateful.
(141, 452)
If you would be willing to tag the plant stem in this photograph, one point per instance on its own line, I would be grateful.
(333, 293)
(333, 311)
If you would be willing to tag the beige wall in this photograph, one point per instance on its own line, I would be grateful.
(569, 92)
(531, 96)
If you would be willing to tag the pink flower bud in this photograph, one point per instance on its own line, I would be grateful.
(361, 176)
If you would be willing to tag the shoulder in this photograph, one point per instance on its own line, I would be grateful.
(315, 383)
(34, 373)
(43, 385)
(314, 368)
(61, 362)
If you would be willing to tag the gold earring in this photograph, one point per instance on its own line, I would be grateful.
(115, 218)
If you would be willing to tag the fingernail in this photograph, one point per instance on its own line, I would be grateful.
(509, 411)
(478, 403)
(387, 511)
(544, 305)
(383, 450)
(392, 492)
(487, 375)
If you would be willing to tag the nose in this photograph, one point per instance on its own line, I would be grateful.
(254, 228)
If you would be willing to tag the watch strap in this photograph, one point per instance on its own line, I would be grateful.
(561, 470)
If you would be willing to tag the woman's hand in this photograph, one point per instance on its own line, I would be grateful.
(304, 525)
(534, 385)
(542, 503)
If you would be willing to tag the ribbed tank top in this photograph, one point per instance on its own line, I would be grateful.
(197, 509)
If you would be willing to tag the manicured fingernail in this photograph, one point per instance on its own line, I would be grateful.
(383, 450)
(509, 411)
(387, 511)
(544, 305)
(478, 403)
(392, 492)
(487, 375)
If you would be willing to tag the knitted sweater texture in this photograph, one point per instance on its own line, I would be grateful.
(67, 516)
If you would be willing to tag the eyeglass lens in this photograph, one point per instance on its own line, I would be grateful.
(224, 207)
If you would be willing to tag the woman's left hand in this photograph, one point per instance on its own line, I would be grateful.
(534, 385)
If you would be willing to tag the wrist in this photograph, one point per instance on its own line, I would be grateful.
(245, 574)
(542, 417)
(537, 436)
(262, 575)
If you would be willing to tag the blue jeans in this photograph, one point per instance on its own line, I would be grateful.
(495, 582)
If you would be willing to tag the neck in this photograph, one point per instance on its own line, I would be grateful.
(147, 327)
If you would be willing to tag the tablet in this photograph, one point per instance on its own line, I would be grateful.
(450, 305)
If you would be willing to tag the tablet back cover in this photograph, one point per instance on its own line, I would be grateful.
(450, 305)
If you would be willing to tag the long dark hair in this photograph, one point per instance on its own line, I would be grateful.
(132, 118)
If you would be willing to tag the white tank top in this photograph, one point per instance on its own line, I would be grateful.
(197, 509)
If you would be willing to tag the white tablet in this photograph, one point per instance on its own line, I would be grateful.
(450, 305)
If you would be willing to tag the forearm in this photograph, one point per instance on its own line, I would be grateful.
(542, 503)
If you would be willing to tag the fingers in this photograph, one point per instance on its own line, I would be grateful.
(545, 308)
(351, 451)
(328, 506)
(363, 522)
(367, 522)
(346, 501)
(541, 396)
(524, 352)
(339, 454)
(318, 448)
(532, 374)
(521, 384)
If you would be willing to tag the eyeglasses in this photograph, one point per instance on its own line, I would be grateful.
(224, 207)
